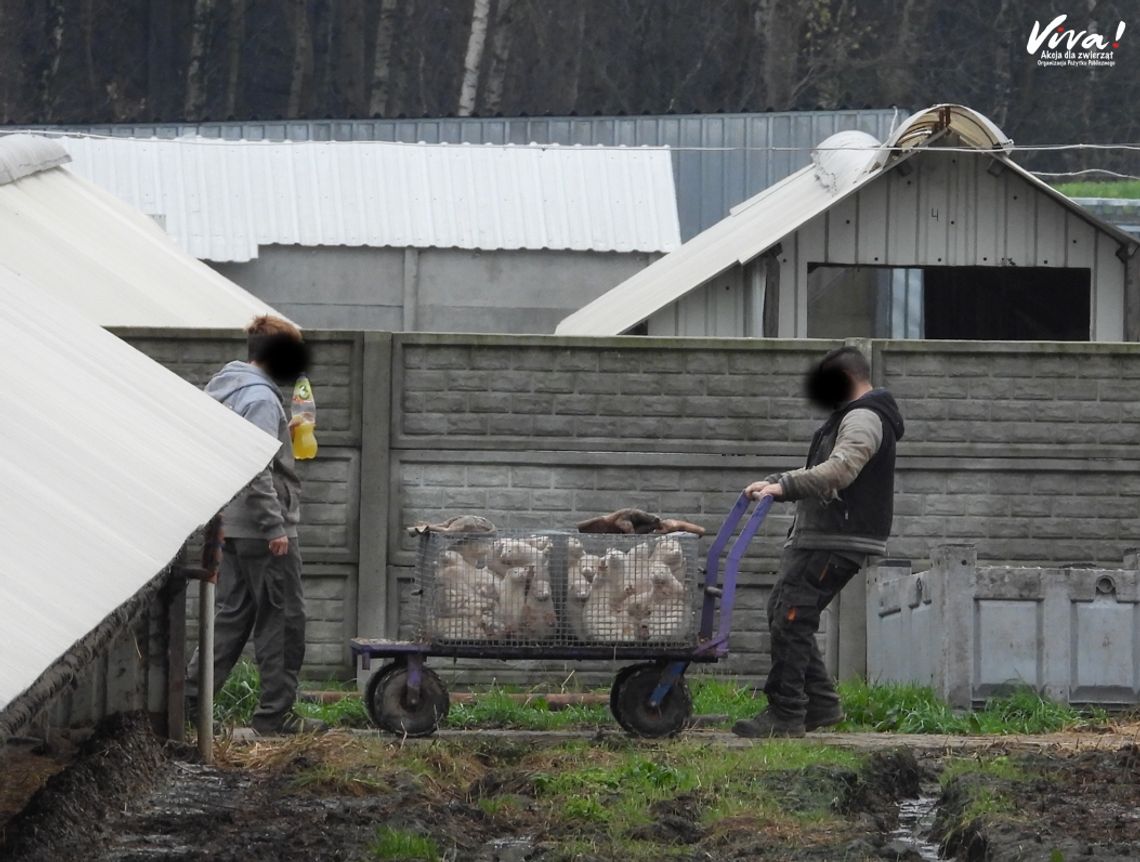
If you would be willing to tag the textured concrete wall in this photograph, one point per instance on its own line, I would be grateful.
(436, 289)
(330, 529)
(1025, 450)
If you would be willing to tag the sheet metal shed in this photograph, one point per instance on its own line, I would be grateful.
(943, 191)
(222, 200)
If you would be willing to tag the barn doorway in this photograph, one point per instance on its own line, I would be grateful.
(950, 302)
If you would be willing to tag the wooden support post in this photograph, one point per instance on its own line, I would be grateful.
(206, 670)
(175, 597)
(211, 561)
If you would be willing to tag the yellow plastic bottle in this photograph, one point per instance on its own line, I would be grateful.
(304, 410)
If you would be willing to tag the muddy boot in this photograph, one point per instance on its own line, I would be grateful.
(823, 715)
(768, 724)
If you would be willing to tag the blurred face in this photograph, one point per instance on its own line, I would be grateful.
(828, 387)
(283, 357)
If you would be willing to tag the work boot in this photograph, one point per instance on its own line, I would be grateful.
(823, 715)
(291, 725)
(767, 725)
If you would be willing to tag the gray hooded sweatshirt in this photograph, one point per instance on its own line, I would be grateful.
(270, 505)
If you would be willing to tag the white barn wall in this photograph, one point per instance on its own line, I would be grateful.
(948, 211)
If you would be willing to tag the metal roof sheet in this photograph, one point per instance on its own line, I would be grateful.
(842, 164)
(78, 243)
(719, 160)
(109, 463)
(221, 200)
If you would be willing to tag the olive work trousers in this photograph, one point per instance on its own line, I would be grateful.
(260, 595)
(798, 680)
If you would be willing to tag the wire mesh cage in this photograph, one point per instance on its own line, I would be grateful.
(556, 588)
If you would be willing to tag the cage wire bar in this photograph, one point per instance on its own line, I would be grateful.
(556, 589)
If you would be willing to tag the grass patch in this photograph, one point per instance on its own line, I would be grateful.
(618, 788)
(975, 791)
(1101, 189)
(347, 712)
(999, 768)
(496, 708)
(399, 845)
(883, 708)
(235, 703)
(712, 696)
(903, 708)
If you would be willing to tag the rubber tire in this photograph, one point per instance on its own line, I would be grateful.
(373, 682)
(388, 707)
(629, 702)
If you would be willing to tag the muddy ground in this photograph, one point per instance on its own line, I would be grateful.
(1033, 806)
(345, 797)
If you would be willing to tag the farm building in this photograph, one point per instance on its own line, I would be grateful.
(110, 461)
(718, 160)
(937, 233)
(396, 236)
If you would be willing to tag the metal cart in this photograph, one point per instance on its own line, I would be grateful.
(649, 696)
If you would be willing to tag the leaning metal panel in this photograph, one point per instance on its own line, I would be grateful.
(516, 588)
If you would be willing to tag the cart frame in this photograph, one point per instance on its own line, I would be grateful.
(661, 706)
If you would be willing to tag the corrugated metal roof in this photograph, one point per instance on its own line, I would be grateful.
(78, 243)
(109, 463)
(719, 160)
(844, 163)
(221, 200)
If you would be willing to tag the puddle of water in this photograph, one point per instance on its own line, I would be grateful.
(916, 818)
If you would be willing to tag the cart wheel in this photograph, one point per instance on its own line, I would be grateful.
(388, 704)
(629, 702)
(373, 683)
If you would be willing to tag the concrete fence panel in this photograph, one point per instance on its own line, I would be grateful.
(1024, 450)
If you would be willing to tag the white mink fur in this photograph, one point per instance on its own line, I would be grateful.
(602, 614)
(581, 570)
(639, 595)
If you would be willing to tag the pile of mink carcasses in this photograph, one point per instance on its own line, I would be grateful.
(559, 588)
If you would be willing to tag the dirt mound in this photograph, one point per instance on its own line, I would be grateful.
(68, 815)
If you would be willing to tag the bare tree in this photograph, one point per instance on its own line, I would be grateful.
(302, 58)
(473, 61)
(500, 54)
(382, 60)
(196, 68)
(235, 39)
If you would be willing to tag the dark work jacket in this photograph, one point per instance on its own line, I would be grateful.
(859, 518)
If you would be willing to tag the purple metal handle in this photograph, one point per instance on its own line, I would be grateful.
(731, 570)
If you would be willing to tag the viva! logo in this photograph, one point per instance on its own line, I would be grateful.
(1070, 39)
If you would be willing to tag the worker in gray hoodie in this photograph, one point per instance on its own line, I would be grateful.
(844, 498)
(259, 584)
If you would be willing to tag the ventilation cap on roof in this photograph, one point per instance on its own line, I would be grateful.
(843, 158)
(24, 155)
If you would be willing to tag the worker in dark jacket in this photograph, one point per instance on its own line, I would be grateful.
(844, 506)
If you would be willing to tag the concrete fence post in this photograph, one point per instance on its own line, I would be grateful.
(956, 567)
(376, 610)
